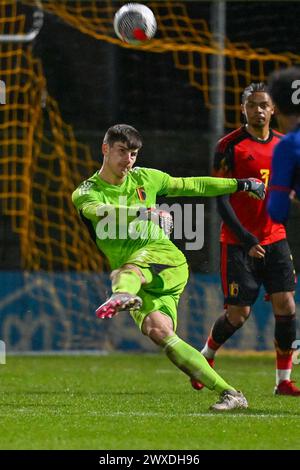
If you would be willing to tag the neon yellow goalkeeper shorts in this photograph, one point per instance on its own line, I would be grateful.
(162, 293)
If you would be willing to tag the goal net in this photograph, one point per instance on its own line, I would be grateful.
(42, 160)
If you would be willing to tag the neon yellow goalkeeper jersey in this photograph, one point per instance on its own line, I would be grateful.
(110, 212)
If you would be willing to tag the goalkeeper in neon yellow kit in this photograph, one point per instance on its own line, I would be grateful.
(149, 272)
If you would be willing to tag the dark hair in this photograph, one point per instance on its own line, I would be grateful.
(254, 88)
(281, 89)
(123, 133)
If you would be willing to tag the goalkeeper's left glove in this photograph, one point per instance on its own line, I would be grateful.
(162, 218)
(254, 186)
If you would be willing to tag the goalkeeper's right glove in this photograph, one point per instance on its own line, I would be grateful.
(254, 186)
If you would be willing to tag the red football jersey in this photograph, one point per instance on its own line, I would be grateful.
(240, 155)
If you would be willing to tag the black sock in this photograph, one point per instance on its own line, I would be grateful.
(285, 331)
(222, 329)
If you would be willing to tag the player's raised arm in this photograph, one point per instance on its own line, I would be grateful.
(207, 186)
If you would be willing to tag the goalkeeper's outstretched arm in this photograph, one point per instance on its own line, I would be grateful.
(207, 186)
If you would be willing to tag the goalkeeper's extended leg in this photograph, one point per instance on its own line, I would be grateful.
(160, 329)
(126, 283)
(223, 328)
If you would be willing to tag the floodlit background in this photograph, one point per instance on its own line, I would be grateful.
(63, 90)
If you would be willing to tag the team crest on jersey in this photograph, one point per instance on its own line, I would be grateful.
(233, 289)
(141, 193)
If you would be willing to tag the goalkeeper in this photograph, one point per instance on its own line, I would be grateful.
(149, 272)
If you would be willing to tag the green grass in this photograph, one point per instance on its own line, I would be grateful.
(139, 402)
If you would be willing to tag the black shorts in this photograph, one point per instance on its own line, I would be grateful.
(242, 275)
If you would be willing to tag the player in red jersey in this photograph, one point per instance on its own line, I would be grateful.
(254, 249)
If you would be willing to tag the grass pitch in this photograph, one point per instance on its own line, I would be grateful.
(131, 401)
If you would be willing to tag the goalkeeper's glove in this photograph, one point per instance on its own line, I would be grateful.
(254, 186)
(162, 218)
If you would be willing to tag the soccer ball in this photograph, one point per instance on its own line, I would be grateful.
(135, 23)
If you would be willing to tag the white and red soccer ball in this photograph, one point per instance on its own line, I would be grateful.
(135, 23)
